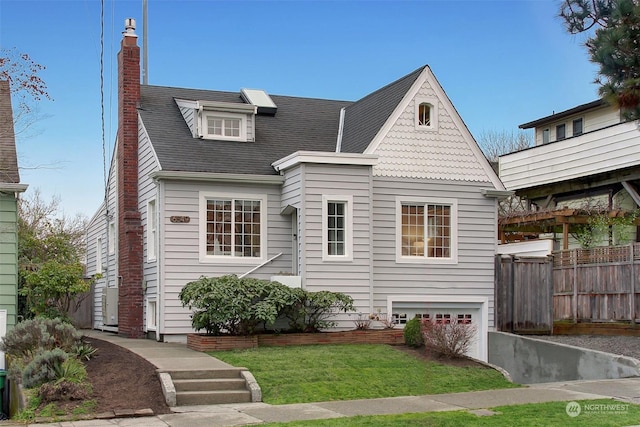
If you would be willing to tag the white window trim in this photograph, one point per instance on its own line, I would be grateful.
(202, 230)
(151, 322)
(453, 259)
(348, 244)
(152, 232)
(111, 237)
(99, 267)
(433, 102)
(203, 128)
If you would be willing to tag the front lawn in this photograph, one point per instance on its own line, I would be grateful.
(318, 373)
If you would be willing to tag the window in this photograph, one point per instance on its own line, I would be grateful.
(426, 114)
(545, 136)
(337, 226)
(427, 230)
(224, 126)
(577, 127)
(151, 230)
(112, 238)
(99, 255)
(151, 315)
(233, 227)
(560, 132)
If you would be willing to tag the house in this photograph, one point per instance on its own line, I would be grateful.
(388, 199)
(10, 188)
(585, 162)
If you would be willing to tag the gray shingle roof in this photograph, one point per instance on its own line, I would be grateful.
(300, 124)
(363, 119)
(8, 158)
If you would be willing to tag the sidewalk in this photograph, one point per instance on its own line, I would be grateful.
(165, 355)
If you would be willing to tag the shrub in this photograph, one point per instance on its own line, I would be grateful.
(32, 336)
(71, 370)
(448, 339)
(413, 334)
(230, 305)
(363, 322)
(43, 368)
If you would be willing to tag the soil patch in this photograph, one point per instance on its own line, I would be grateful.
(123, 380)
(428, 356)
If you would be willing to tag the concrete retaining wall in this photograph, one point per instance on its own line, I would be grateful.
(531, 360)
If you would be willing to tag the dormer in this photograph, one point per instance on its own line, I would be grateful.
(226, 121)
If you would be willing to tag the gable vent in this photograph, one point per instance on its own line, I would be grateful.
(260, 99)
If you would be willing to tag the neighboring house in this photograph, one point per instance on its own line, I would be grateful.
(388, 199)
(586, 161)
(10, 188)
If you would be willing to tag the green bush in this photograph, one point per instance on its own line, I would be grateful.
(230, 305)
(43, 368)
(32, 336)
(413, 333)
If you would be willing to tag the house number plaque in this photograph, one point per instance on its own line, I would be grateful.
(180, 219)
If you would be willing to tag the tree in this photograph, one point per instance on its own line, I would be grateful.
(27, 87)
(613, 44)
(50, 254)
(495, 143)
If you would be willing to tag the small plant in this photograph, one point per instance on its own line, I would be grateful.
(448, 338)
(71, 370)
(32, 336)
(43, 368)
(362, 322)
(413, 334)
(83, 350)
(386, 321)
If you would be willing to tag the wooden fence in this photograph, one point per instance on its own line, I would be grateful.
(577, 285)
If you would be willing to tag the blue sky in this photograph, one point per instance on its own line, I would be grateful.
(502, 63)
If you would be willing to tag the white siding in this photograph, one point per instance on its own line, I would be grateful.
(180, 252)
(592, 120)
(351, 277)
(605, 150)
(291, 189)
(189, 115)
(147, 190)
(471, 276)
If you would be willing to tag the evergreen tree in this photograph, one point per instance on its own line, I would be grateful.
(613, 44)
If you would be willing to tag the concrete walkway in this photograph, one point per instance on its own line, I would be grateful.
(178, 356)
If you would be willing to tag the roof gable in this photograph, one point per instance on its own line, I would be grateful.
(8, 157)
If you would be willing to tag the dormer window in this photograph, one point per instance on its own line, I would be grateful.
(225, 127)
(426, 114)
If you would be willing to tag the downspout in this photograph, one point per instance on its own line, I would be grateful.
(160, 263)
(340, 129)
(371, 245)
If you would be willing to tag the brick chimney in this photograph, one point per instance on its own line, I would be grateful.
(130, 246)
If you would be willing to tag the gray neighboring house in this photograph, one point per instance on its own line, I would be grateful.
(388, 199)
(10, 188)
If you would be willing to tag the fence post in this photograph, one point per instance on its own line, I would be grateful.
(497, 292)
(550, 283)
(512, 290)
(574, 259)
(632, 290)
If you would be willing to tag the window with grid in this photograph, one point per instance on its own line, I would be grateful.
(223, 126)
(426, 230)
(465, 319)
(336, 228)
(233, 227)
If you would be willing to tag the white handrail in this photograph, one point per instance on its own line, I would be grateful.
(261, 265)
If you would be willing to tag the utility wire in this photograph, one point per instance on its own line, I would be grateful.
(104, 148)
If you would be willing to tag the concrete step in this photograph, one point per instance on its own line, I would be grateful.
(201, 374)
(210, 384)
(187, 398)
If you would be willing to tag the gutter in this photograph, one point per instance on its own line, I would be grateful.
(498, 194)
(7, 187)
(216, 177)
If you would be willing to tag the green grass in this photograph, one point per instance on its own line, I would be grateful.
(534, 414)
(319, 373)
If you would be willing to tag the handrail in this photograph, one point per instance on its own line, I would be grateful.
(258, 266)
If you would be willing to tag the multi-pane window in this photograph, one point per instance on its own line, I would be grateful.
(223, 126)
(233, 227)
(336, 228)
(561, 132)
(424, 114)
(577, 127)
(426, 230)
